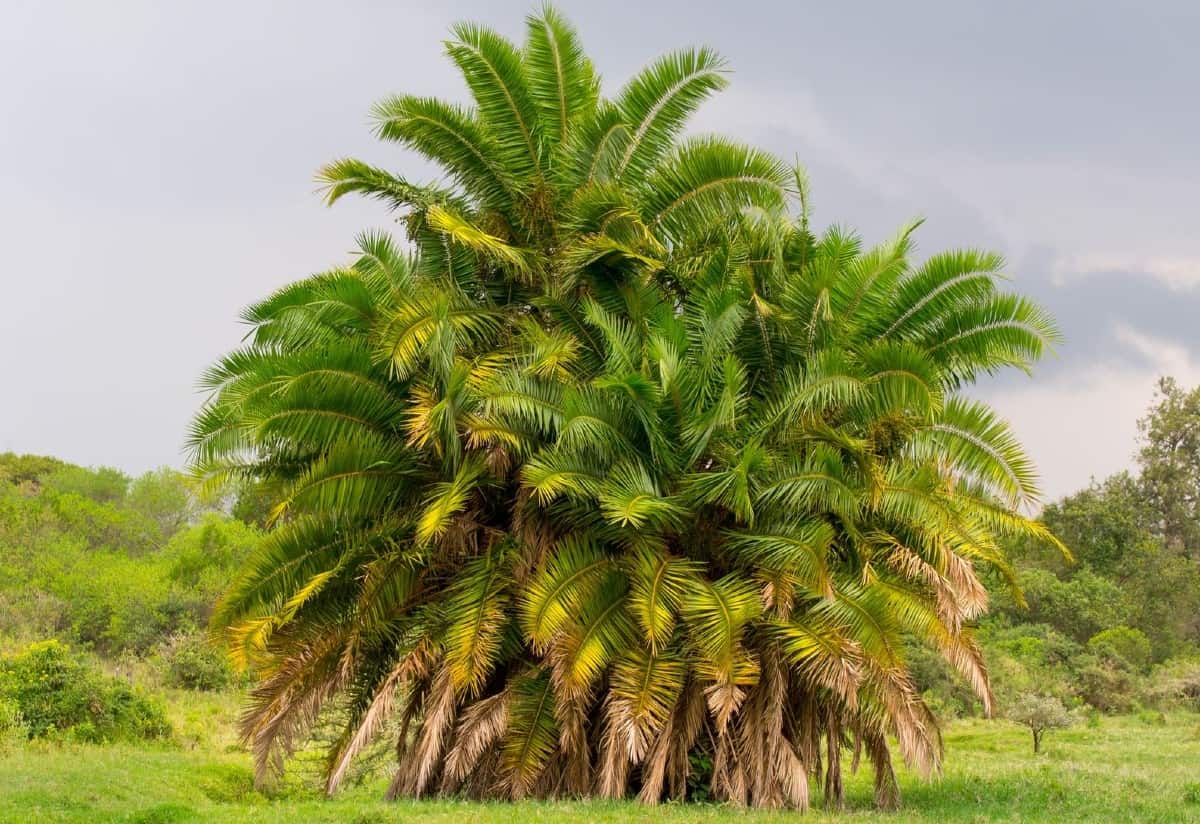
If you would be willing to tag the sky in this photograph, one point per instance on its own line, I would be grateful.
(158, 163)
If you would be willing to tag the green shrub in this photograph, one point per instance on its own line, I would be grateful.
(1037, 644)
(103, 484)
(1175, 684)
(1124, 646)
(17, 469)
(1103, 684)
(57, 693)
(1153, 718)
(1079, 607)
(190, 663)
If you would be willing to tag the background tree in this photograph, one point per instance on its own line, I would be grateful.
(1040, 713)
(1170, 463)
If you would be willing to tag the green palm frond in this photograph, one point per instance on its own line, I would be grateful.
(562, 588)
(659, 585)
(981, 446)
(495, 73)
(708, 179)
(562, 82)
(450, 136)
(343, 177)
(476, 607)
(532, 731)
(657, 102)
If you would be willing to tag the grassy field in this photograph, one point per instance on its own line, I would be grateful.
(1123, 769)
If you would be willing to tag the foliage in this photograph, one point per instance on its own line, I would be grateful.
(1175, 684)
(26, 469)
(1104, 684)
(623, 466)
(1101, 524)
(164, 496)
(1029, 658)
(58, 693)
(104, 485)
(190, 662)
(1170, 462)
(1129, 600)
(1123, 646)
(115, 576)
(1080, 606)
(1040, 713)
(12, 723)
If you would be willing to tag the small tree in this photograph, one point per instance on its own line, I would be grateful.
(1040, 713)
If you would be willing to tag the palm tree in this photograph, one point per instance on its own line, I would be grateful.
(618, 462)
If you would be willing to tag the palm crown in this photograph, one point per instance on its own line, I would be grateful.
(619, 463)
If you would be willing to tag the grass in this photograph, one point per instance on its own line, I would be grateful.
(1121, 769)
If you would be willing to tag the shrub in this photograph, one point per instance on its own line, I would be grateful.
(56, 692)
(1029, 658)
(1037, 644)
(18, 469)
(943, 690)
(163, 495)
(1175, 684)
(1124, 646)
(1153, 718)
(102, 484)
(202, 558)
(190, 663)
(1105, 685)
(1079, 607)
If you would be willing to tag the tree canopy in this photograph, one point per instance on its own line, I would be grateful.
(617, 460)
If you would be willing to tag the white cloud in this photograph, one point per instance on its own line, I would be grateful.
(1120, 219)
(1084, 425)
(1177, 273)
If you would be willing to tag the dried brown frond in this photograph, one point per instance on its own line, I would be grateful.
(887, 789)
(613, 774)
(287, 702)
(480, 727)
(425, 760)
(377, 713)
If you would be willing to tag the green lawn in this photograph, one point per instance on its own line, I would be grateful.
(1125, 769)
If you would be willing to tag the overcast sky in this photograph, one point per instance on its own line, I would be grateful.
(158, 161)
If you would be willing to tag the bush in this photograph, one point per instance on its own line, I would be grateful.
(190, 663)
(944, 691)
(57, 693)
(1175, 684)
(104, 484)
(1105, 685)
(19, 469)
(1028, 658)
(1123, 646)
(1079, 607)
